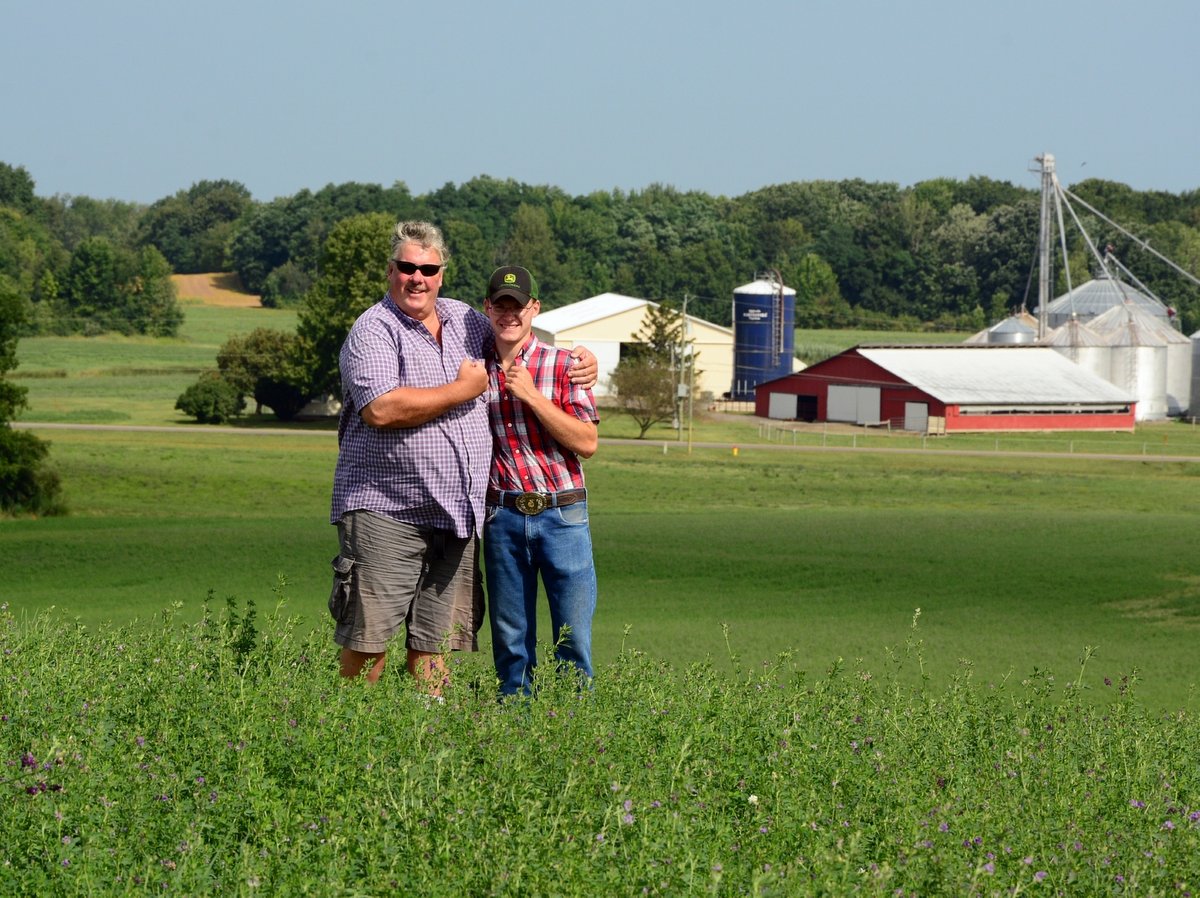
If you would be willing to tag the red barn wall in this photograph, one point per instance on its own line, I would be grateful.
(851, 369)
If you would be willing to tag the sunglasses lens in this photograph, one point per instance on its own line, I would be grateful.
(412, 268)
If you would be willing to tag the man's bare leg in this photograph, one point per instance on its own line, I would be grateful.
(352, 664)
(429, 669)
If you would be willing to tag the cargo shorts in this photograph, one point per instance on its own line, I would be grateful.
(388, 574)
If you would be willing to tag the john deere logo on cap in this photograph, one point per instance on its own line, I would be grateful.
(510, 278)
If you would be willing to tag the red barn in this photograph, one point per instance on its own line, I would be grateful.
(960, 387)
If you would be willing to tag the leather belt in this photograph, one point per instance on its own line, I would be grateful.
(535, 503)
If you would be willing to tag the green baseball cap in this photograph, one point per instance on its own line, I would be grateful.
(514, 282)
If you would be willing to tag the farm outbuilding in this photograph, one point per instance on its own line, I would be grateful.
(608, 325)
(959, 387)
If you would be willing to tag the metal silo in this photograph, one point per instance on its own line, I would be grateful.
(1083, 346)
(1093, 298)
(764, 335)
(1194, 405)
(1138, 360)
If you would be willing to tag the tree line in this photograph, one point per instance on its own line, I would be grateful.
(941, 254)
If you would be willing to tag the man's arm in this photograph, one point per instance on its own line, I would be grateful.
(571, 433)
(413, 406)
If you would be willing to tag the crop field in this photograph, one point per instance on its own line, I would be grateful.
(828, 663)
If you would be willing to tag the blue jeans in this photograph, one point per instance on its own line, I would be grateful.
(517, 547)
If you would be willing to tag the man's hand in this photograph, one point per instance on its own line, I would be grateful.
(583, 371)
(519, 382)
(472, 377)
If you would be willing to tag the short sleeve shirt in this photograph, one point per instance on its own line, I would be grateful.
(525, 456)
(431, 475)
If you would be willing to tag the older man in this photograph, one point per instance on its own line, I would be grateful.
(414, 450)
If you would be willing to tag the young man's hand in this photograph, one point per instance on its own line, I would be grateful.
(519, 382)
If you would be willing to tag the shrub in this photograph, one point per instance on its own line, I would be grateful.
(285, 286)
(26, 485)
(211, 400)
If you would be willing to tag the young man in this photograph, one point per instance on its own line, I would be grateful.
(536, 520)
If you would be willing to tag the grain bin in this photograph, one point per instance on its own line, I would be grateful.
(1138, 360)
(764, 335)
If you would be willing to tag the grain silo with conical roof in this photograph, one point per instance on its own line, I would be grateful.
(1093, 298)
(1137, 359)
(1083, 346)
(1015, 330)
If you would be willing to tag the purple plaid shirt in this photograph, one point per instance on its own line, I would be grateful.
(432, 475)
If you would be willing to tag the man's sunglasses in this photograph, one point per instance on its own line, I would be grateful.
(428, 270)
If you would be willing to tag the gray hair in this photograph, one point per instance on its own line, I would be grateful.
(422, 233)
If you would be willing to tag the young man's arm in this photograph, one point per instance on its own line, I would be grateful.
(413, 406)
(571, 433)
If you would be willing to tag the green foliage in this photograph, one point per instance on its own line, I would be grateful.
(266, 364)
(211, 399)
(221, 758)
(27, 484)
(353, 278)
(645, 390)
(285, 286)
(16, 188)
(12, 320)
(107, 288)
(192, 227)
(72, 219)
(30, 259)
(858, 253)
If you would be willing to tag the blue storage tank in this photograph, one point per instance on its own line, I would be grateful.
(764, 334)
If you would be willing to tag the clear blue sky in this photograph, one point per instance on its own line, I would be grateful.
(137, 99)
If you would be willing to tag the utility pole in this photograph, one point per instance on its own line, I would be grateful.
(680, 386)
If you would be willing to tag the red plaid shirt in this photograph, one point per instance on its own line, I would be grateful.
(524, 456)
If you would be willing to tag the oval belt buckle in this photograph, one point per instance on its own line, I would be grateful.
(532, 503)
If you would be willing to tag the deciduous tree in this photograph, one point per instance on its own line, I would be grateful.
(353, 278)
(27, 484)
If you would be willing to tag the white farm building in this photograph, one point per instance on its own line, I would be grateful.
(608, 322)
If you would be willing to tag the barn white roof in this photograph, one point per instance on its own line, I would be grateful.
(994, 375)
(586, 311)
(597, 308)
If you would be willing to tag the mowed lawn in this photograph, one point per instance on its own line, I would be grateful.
(1016, 564)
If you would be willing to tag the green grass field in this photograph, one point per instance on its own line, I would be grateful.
(817, 345)
(771, 715)
(1016, 562)
(130, 380)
